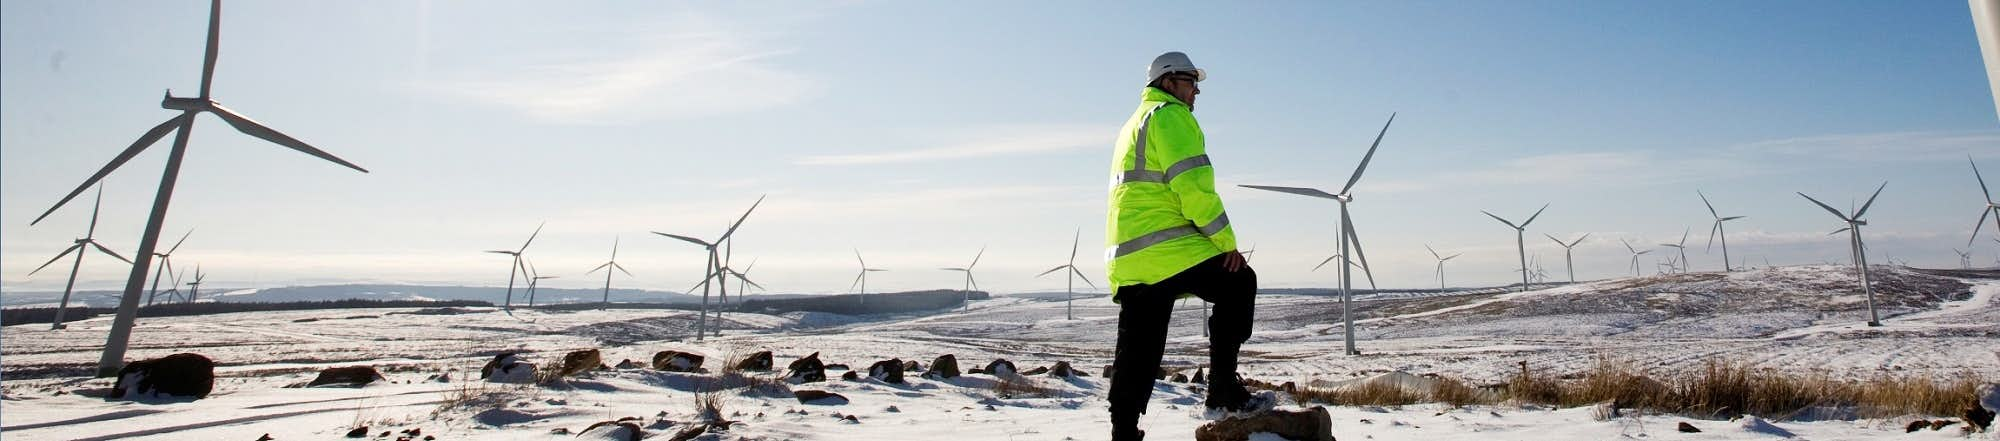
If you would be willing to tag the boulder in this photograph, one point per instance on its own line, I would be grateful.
(580, 361)
(612, 431)
(850, 376)
(945, 366)
(1000, 367)
(345, 376)
(809, 396)
(1038, 370)
(1914, 426)
(1688, 428)
(1979, 418)
(760, 361)
(1310, 424)
(912, 366)
(1940, 424)
(358, 432)
(677, 361)
(508, 368)
(806, 370)
(838, 367)
(182, 375)
(889, 371)
(1062, 369)
(1198, 378)
(629, 364)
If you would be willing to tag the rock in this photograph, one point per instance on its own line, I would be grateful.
(181, 375)
(346, 376)
(1001, 367)
(612, 431)
(629, 364)
(1309, 424)
(976, 371)
(809, 396)
(508, 368)
(1916, 426)
(945, 366)
(1688, 428)
(1038, 370)
(806, 370)
(690, 433)
(1198, 377)
(677, 361)
(889, 371)
(266, 437)
(760, 361)
(1940, 424)
(1180, 378)
(358, 432)
(912, 366)
(1979, 418)
(578, 362)
(838, 367)
(851, 376)
(1062, 369)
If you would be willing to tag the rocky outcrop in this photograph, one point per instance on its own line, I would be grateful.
(760, 362)
(181, 375)
(809, 396)
(945, 366)
(345, 376)
(1062, 369)
(912, 366)
(508, 368)
(1311, 424)
(677, 361)
(889, 371)
(578, 362)
(1001, 367)
(806, 370)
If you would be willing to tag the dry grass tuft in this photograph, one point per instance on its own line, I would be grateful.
(1015, 386)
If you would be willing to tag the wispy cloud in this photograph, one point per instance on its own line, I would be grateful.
(1619, 167)
(710, 70)
(1894, 146)
(983, 142)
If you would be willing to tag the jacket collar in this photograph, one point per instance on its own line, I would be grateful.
(1155, 94)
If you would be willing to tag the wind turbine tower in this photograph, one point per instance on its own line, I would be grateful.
(1440, 267)
(713, 269)
(166, 266)
(1682, 247)
(516, 268)
(1347, 233)
(1992, 208)
(1715, 231)
(1520, 241)
(1635, 256)
(1856, 246)
(861, 279)
(969, 282)
(607, 267)
(81, 247)
(1568, 261)
(1069, 302)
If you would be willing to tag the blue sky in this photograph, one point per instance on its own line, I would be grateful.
(919, 132)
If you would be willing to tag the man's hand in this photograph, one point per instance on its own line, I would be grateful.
(1232, 261)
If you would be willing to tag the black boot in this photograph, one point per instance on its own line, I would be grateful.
(1226, 393)
(1126, 428)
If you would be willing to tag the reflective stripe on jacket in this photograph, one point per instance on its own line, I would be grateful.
(1164, 214)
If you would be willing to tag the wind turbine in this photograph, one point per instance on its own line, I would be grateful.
(1855, 246)
(1635, 256)
(1992, 208)
(862, 279)
(89, 239)
(714, 268)
(194, 288)
(1520, 242)
(1069, 301)
(607, 267)
(1717, 230)
(969, 282)
(1964, 258)
(1682, 246)
(1440, 269)
(534, 278)
(743, 277)
(182, 126)
(516, 268)
(166, 266)
(1568, 262)
(1346, 232)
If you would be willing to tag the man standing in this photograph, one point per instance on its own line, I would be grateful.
(1169, 238)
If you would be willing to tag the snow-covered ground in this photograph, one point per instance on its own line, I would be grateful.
(1795, 318)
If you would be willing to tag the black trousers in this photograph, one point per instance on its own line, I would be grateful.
(1142, 328)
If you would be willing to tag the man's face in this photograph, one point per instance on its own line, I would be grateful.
(1182, 86)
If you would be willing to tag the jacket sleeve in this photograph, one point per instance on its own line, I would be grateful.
(1184, 155)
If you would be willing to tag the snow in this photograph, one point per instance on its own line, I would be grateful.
(1795, 318)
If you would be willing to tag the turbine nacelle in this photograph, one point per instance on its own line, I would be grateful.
(172, 102)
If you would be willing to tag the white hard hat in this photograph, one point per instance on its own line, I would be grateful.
(1173, 62)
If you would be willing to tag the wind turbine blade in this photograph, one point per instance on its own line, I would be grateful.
(510, 253)
(1704, 201)
(1294, 190)
(252, 128)
(1086, 279)
(214, 43)
(100, 247)
(689, 239)
(1684, 235)
(140, 145)
(614, 248)
(1871, 200)
(1982, 179)
(1051, 270)
(1976, 226)
(857, 281)
(1504, 221)
(752, 283)
(1538, 213)
(1355, 236)
(975, 258)
(1628, 246)
(1842, 230)
(1369, 156)
(1580, 239)
(857, 258)
(704, 282)
(621, 268)
(1452, 257)
(1711, 235)
(1829, 209)
(1434, 253)
(599, 267)
(1073, 243)
(1559, 242)
(953, 269)
(1323, 262)
(1731, 218)
(72, 248)
(177, 244)
(531, 237)
(739, 220)
(94, 207)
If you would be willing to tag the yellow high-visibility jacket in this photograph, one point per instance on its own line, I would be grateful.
(1164, 215)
